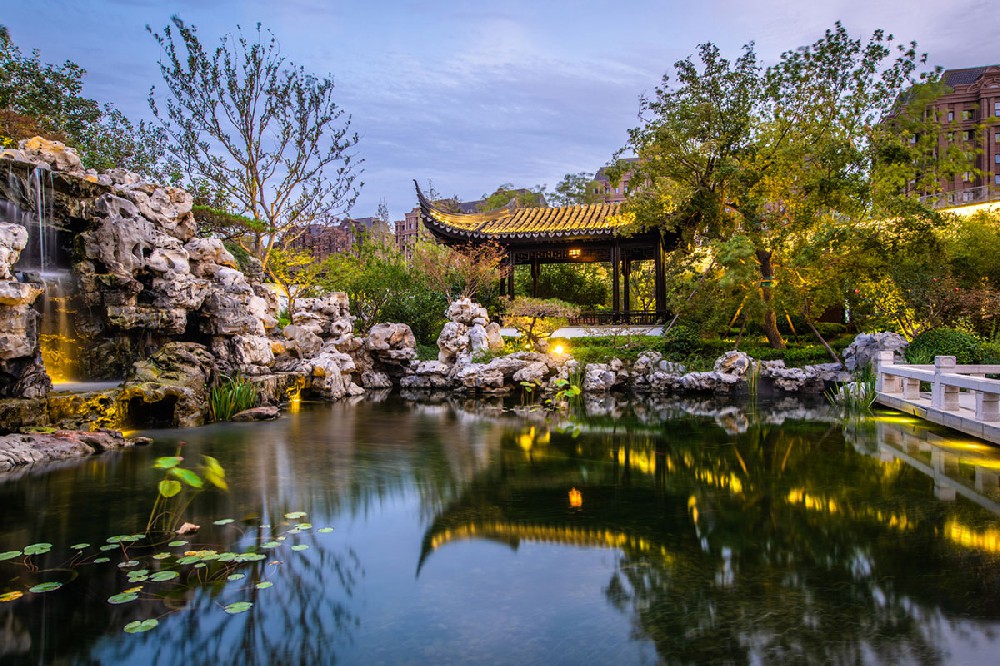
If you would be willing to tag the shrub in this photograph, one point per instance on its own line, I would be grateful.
(965, 347)
(681, 341)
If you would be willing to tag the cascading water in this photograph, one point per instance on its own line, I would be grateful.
(42, 261)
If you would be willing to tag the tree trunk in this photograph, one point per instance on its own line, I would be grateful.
(770, 320)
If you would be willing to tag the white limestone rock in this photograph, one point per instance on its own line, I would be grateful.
(13, 239)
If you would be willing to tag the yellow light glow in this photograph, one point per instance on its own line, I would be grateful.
(575, 252)
(988, 539)
(558, 349)
(575, 498)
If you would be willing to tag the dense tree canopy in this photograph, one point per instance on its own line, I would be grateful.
(768, 156)
(37, 98)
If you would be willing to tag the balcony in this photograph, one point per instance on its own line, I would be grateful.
(966, 197)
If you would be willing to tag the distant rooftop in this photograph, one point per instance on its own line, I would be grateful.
(964, 77)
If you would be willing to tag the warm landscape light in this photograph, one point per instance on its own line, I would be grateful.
(558, 349)
(575, 498)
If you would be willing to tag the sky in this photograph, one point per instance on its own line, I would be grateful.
(467, 96)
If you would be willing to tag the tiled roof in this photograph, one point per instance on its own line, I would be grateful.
(963, 77)
(511, 223)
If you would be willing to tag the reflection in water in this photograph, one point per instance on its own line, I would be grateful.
(679, 531)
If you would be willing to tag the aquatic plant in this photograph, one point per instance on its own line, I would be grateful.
(232, 396)
(167, 514)
(170, 571)
(855, 398)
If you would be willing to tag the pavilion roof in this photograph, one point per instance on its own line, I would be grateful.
(510, 223)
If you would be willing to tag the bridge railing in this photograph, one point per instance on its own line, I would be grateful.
(970, 195)
(629, 317)
(947, 380)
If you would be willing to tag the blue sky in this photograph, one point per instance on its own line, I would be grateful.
(469, 95)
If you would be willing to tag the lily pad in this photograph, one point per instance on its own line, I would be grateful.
(293, 515)
(189, 559)
(137, 627)
(161, 556)
(300, 547)
(123, 598)
(80, 546)
(14, 595)
(239, 607)
(250, 557)
(37, 548)
(45, 587)
(227, 557)
(175, 544)
(9, 555)
(109, 546)
(236, 576)
(224, 521)
(161, 576)
(325, 530)
(270, 544)
(129, 564)
(102, 560)
(263, 585)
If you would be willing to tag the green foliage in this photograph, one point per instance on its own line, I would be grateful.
(521, 197)
(965, 347)
(586, 285)
(231, 397)
(768, 164)
(38, 98)
(536, 318)
(681, 341)
(574, 189)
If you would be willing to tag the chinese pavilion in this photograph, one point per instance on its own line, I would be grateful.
(590, 233)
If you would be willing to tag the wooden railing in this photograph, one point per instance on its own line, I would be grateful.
(946, 379)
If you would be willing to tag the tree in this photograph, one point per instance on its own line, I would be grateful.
(467, 272)
(538, 318)
(736, 149)
(573, 189)
(37, 98)
(295, 272)
(522, 197)
(262, 134)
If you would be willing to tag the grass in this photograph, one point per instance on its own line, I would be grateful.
(699, 355)
(232, 397)
(857, 397)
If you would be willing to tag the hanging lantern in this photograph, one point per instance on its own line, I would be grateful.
(575, 498)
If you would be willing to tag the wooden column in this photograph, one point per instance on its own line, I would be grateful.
(534, 277)
(616, 308)
(660, 279)
(510, 276)
(627, 288)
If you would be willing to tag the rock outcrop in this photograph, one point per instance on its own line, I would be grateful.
(22, 449)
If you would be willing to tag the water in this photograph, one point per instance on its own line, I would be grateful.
(45, 260)
(705, 533)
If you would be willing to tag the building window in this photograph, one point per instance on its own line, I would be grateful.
(966, 177)
(968, 114)
(969, 135)
(616, 191)
(951, 137)
(996, 158)
(951, 116)
(996, 179)
(996, 109)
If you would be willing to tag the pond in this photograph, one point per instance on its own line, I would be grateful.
(482, 532)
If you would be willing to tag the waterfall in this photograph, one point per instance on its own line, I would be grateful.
(42, 261)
